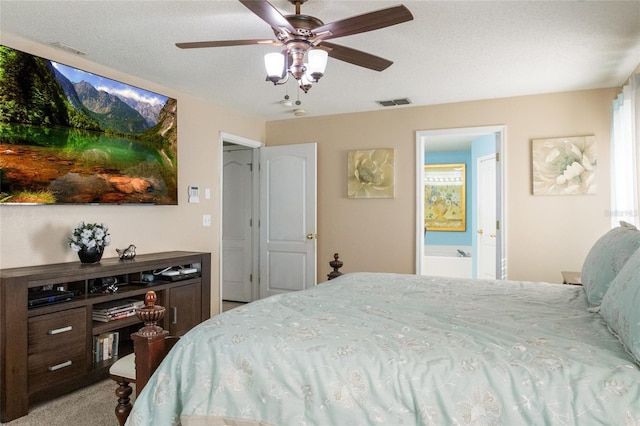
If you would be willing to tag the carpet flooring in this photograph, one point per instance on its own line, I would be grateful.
(90, 406)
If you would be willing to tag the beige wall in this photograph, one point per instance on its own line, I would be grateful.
(545, 234)
(33, 235)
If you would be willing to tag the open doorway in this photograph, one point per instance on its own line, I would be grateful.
(465, 252)
(268, 202)
(239, 241)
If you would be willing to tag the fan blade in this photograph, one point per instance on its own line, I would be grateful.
(223, 43)
(355, 57)
(366, 22)
(269, 14)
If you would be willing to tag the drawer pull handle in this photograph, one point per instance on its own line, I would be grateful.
(175, 315)
(60, 330)
(61, 365)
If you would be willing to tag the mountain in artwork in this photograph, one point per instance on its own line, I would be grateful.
(109, 109)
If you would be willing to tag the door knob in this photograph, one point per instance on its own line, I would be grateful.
(311, 236)
(480, 231)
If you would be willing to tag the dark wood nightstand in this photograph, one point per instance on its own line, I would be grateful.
(571, 277)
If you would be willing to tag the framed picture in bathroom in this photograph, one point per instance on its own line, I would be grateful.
(444, 197)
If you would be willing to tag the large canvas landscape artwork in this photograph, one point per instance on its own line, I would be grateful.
(71, 137)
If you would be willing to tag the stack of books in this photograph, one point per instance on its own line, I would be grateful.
(116, 309)
(105, 346)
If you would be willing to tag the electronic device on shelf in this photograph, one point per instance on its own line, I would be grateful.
(171, 274)
(180, 274)
(47, 297)
(106, 285)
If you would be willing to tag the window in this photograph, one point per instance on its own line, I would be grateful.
(625, 154)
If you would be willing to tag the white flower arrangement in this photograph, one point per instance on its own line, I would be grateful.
(89, 235)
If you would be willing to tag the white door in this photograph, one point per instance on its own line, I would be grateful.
(237, 241)
(287, 218)
(486, 239)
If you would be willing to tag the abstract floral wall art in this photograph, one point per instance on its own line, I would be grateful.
(370, 173)
(564, 166)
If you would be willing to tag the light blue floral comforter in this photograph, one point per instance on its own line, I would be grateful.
(390, 349)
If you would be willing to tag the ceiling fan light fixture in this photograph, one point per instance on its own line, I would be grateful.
(297, 50)
(275, 65)
(317, 63)
(305, 82)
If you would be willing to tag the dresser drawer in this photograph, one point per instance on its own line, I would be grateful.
(57, 348)
(48, 369)
(61, 330)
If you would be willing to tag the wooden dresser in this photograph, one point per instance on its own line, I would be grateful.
(49, 350)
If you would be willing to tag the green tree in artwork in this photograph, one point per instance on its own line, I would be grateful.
(30, 94)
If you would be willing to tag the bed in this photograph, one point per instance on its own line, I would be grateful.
(394, 349)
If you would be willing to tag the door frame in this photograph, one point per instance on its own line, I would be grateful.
(255, 145)
(422, 139)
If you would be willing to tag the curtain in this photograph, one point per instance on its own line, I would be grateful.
(625, 154)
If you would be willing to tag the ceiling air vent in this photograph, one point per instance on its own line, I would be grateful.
(68, 48)
(394, 102)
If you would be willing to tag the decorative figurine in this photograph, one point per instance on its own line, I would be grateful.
(128, 253)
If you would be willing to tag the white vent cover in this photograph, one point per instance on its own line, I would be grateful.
(68, 48)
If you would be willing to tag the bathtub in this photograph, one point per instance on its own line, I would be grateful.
(445, 261)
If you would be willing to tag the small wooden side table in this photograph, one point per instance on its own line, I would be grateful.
(571, 277)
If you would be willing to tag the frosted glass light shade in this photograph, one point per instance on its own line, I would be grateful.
(306, 80)
(274, 63)
(317, 61)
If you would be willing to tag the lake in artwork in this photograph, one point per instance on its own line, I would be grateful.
(68, 136)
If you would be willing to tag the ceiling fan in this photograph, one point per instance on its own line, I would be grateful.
(303, 34)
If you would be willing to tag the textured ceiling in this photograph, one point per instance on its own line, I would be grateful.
(452, 51)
